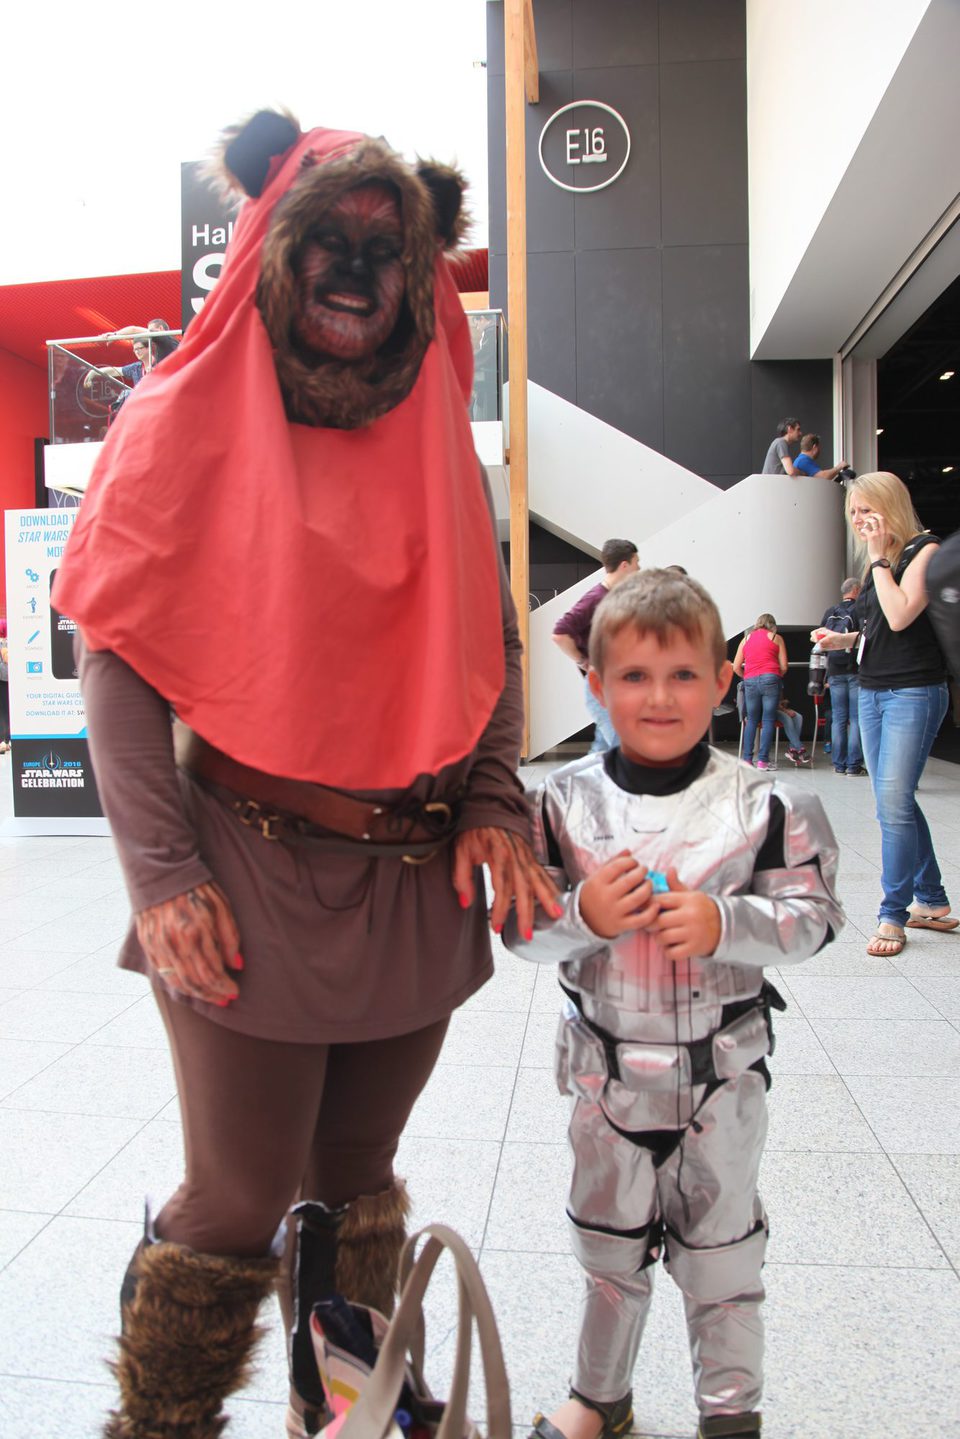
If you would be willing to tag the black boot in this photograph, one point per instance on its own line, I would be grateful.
(189, 1330)
(730, 1426)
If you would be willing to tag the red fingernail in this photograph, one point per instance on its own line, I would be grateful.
(464, 902)
(528, 934)
(498, 929)
(557, 911)
(238, 960)
(221, 1003)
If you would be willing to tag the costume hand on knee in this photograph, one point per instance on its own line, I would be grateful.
(515, 873)
(191, 941)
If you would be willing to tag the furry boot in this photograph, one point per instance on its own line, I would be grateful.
(353, 1251)
(188, 1334)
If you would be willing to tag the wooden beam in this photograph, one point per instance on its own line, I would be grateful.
(515, 18)
(531, 65)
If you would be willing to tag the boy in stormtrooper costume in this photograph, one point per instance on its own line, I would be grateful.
(685, 873)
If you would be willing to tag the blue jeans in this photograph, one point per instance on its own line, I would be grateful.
(791, 728)
(844, 708)
(761, 694)
(897, 728)
(604, 735)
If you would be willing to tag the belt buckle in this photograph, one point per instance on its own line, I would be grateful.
(249, 812)
(418, 858)
(438, 806)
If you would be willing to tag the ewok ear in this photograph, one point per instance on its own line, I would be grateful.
(249, 149)
(446, 187)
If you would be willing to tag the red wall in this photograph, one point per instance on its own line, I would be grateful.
(23, 416)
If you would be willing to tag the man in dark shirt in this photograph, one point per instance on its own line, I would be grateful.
(844, 682)
(571, 633)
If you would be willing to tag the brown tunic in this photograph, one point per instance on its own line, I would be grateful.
(337, 947)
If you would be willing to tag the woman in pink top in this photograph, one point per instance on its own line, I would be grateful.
(762, 661)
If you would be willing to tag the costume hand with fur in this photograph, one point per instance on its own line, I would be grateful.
(688, 925)
(618, 897)
(190, 941)
(515, 873)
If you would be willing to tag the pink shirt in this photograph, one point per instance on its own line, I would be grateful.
(761, 655)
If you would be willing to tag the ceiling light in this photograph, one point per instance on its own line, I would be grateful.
(947, 469)
(880, 432)
(948, 374)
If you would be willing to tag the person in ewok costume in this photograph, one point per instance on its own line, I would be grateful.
(288, 539)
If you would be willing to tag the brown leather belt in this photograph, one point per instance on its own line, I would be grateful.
(267, 800)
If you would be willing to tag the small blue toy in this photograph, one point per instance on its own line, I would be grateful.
(659, 881)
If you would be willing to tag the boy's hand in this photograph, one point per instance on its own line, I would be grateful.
(618, 897)
(688, 924)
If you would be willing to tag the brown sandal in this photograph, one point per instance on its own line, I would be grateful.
(897, 940)
(922, 919)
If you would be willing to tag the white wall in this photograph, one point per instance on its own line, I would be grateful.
(816, 74)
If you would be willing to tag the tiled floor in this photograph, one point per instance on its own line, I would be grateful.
(861, 1175)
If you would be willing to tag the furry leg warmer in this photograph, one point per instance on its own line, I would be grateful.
(189, 1330)
(369, 1242)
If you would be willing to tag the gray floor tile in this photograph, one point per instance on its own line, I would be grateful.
(845, 957)
(540, 1039)
(939, 962)
(816, 1112)
(890, 1046)
(463, 1101)
(21, 1059)
(150, 1165)
(139, 1026)
(64, 1018)
(843, 1360)
(510, 989)
(798, 1050)
(817, 1205)
(82, 930)
(450, 1180)
(547, 995)
(528, 1211)
(481, 1036)
(538, 1111)
(95, 974)
(910, 1115)
(88, 1258)
(47, 1158)
(858, 997)
(55, 1409)
(100, 1079)
(16, 1231)
(26, 968)
(943, 994)
(933, 1181)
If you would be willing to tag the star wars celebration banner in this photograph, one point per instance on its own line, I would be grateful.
(52, 774)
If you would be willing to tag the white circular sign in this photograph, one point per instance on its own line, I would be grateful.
(595, 145)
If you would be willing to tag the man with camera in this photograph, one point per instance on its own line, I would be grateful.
(808, 462)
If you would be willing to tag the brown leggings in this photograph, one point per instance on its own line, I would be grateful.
(265, 1123)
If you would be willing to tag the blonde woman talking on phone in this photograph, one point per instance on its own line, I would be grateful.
(903, 699)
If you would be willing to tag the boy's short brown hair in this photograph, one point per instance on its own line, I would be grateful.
(656, 602)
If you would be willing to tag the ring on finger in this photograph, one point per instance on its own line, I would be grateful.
(162, 972)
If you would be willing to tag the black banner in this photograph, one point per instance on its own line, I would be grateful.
(53, 779)
(206, 225)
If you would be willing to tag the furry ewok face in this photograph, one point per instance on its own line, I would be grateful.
(346, 285)
(350, 276)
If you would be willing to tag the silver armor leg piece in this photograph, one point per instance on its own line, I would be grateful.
(716, 1238)
(614, 1232)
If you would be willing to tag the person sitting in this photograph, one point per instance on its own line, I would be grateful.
(808, 463)
(796, 753)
